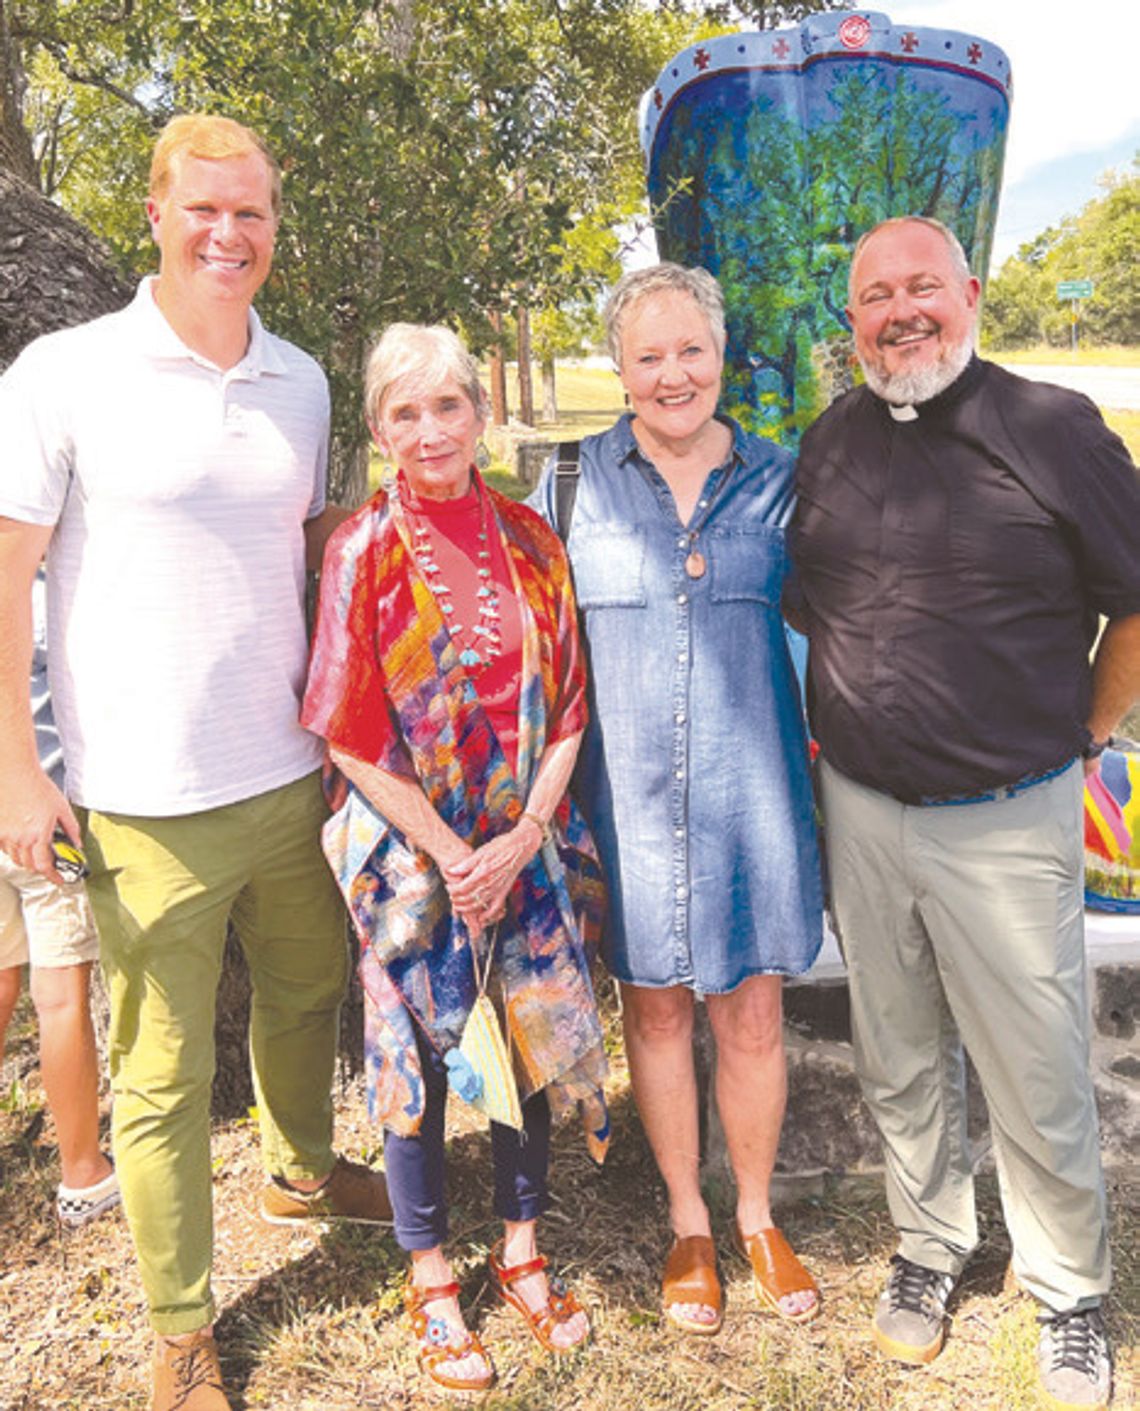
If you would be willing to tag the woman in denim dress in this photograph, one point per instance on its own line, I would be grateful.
(694, 771)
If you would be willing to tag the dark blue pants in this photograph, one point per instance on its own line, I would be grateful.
(415, 1165)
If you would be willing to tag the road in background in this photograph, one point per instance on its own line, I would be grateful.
(1115, 387)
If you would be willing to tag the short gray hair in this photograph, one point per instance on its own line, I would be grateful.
(953, 244)
(426, 354)
(639, 284)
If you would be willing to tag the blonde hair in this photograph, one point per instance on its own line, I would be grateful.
(426, 354)
(212, 138)
(639, 284)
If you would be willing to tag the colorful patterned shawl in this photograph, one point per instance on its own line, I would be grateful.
(386, 686)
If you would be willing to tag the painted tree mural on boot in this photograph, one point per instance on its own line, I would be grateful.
(770, 154)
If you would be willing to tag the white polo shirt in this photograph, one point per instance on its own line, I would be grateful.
(176, 577)
(47, 736)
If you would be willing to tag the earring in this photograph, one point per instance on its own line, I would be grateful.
(482, 456)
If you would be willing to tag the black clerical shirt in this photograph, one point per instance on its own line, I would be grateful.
(951, 569)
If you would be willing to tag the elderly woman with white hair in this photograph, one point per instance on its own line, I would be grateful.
(694, 772)
(448, 681)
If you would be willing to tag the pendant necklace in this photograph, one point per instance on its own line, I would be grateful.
(481, 642)
(696, 565)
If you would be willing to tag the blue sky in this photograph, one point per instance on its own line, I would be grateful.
(1076, 99)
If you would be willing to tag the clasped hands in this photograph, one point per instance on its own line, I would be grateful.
(480, 881)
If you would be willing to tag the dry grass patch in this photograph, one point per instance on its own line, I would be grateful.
(312, 1320)
(1127, 427)
(1087, 355)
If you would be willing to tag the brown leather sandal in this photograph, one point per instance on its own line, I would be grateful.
(436, 1339)
(776, 1272)
(690, 1277)
(560, 1307)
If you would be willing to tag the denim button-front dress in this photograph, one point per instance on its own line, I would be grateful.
(694, 771)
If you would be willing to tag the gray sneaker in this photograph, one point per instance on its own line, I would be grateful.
(1074, 1360)
(909, 1322)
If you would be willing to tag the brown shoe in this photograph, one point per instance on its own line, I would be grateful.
(690, 1277)
(350, 1192)
(187, 1376)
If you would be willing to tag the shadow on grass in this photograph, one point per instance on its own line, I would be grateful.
(586, 1232)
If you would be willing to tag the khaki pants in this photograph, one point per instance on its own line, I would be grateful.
(965, 923)
(163, 890)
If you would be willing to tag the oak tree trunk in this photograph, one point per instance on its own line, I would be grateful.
(526, 385)
(499, 409)
(53, 272)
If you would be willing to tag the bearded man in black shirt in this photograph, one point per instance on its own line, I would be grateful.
(958, 536)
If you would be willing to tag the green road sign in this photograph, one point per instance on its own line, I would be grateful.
(1075, 289)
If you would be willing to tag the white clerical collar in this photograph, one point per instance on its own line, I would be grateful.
(907, 413)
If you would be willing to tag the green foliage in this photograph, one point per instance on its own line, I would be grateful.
(1015, 306)
(442, 158)
(1100, 244)
(566, 332)
(762, 14)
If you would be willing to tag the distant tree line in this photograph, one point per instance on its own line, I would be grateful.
(1099, 244)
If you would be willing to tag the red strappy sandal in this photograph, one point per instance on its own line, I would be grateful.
(560, 1307)
(436, 1339)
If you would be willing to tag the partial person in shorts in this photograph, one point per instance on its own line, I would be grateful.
(51, 928)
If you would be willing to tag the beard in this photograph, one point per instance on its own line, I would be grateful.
(903, 389)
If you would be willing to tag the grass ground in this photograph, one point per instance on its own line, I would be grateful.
(586, 393)
(1127, 427)
(590, 399)
(1113, 355)
(311, 1320)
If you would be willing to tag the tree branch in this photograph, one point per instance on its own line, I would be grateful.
(94, 80)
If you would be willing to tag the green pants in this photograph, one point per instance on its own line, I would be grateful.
(163, 890)
(966, 923)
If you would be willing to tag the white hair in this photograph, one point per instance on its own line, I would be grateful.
(427, 355)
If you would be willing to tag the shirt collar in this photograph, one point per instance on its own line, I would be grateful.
(159, 341)
(626, 442)
(627, 446)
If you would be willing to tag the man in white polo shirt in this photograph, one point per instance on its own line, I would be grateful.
(170, 460)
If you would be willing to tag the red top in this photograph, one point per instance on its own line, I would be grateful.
(453, 533)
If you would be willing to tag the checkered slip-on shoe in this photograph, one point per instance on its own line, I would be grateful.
(77, 1208)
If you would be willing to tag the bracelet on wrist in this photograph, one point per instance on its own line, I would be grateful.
(1095, 748)
(543, 827)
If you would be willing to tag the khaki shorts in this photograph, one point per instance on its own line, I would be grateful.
(47, 925)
